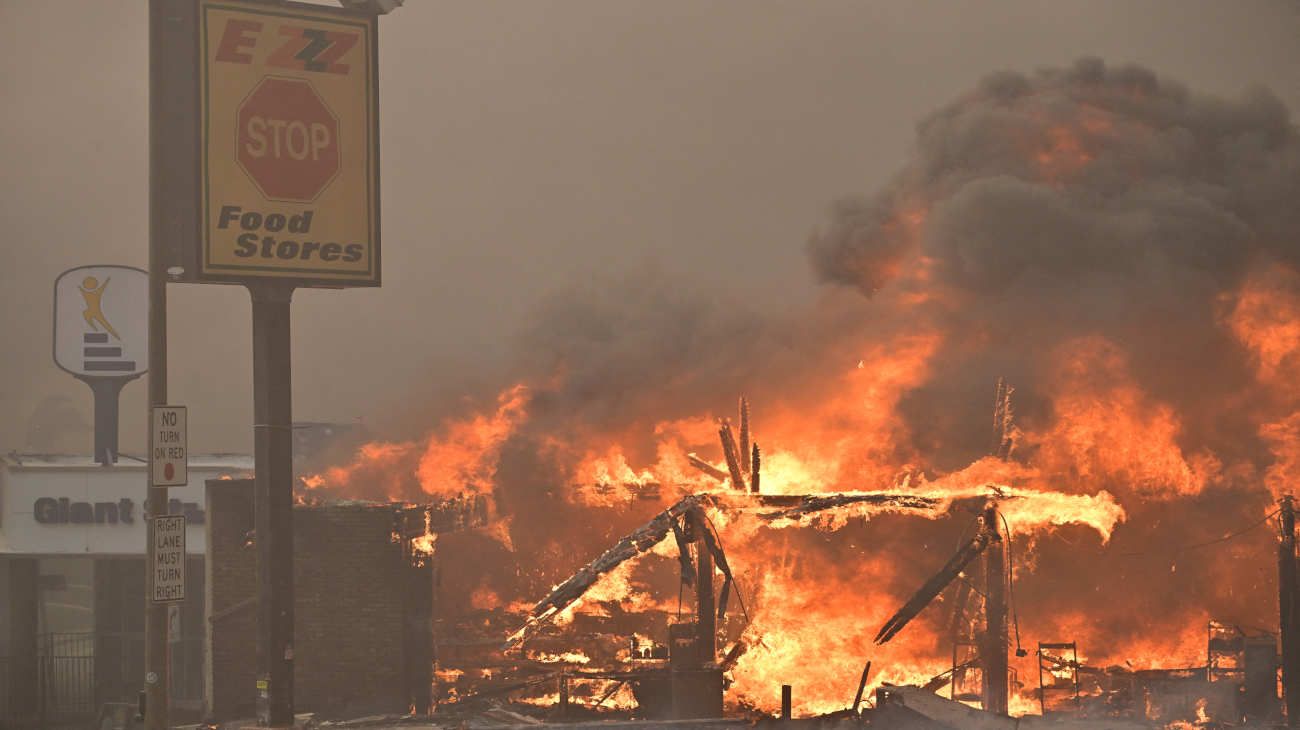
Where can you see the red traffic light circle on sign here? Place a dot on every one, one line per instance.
(288, 140)
(169, 471)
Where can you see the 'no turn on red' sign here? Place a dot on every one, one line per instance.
(168, 442)
(288, 143)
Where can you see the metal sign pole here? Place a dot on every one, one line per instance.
(108, 393)
(157, 673)
(273, 499)
(167, 203)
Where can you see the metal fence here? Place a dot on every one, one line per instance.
(69, 688)
(66, 674)
(64, 682)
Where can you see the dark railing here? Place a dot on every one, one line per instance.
(64, 682)
(66, 674)
(71, 685)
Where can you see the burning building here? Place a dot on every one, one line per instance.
(1120, 248)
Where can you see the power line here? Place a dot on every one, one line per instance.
(1011, 582)
(1207, 543)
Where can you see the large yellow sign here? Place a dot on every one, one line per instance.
(288, 146)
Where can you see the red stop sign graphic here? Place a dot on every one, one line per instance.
(288, 140)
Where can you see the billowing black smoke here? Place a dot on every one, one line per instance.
(1082, 178)
(1083, 201)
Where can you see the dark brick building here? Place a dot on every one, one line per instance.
(363, 604)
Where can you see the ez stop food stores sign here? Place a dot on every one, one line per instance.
(288, 144)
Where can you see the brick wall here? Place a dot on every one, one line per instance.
(360, 609)
(349, 634)
(230, 577)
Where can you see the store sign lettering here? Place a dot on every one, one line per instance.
(63, 511)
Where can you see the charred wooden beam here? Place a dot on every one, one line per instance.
(744, 435)
(565, 594)
(957, 617)
(862, 686)
(950, 676)
(732, 501)
(933, 587)
(729, 451)
(614, 687)
(960, 632)
(710, 542)
(683, 553)
(723, 596)
(733, 655)
(808, 504)
(707, 468)
(705, 620)
(754, 471)
(1003, 421)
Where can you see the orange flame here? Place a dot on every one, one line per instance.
(458, 458)
(1107, 431)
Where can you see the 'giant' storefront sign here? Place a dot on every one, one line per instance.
(65, 511)
(50, 507)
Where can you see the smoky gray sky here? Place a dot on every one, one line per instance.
(529, 147)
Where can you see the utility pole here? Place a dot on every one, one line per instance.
(164, 209)
(1287, 616)
(993, 646)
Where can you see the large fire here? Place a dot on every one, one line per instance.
(1044, 233)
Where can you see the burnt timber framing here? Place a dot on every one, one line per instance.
(770, 508)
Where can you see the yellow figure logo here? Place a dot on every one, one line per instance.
(93, 292)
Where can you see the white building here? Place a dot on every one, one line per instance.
(72, 574)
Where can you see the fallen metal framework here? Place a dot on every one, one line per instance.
(1053, 662)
